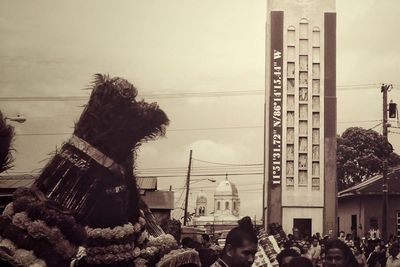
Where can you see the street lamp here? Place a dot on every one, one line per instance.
(18, 118)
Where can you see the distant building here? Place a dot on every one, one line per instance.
(226, 211)
(160, 202)
(360, 206)
(300, 133)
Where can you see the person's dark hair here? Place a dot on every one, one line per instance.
(245, 231)
(300, 262)
(347, 253)
(286, 253)
(187, 242)
(205, 237)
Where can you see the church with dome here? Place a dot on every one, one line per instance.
(226, 209)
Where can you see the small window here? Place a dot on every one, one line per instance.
(218, 205)
(227, 205)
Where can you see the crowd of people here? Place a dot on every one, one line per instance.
(346, 250)
(316, 251)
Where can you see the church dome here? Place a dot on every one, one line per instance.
(201, 198)
(226, 188)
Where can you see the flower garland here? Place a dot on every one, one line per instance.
(19, 256)
(9, 210)
(39, 230)
(111, 258)
(117, 232)
(38, 210)
(112, 249)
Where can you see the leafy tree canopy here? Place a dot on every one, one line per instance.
(360, 155)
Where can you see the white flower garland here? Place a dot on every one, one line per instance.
(117, 232)
(39, 229)
(22, 256)
(143, 237)
(9, 210)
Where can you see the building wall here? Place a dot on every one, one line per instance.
(296, 147)
(315, 214)
(366, 208)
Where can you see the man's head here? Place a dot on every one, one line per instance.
(341, 235)
(315, 242)
(285, 256)
(338, 254)
(241, 244)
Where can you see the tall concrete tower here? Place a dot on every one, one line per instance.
(300, 134)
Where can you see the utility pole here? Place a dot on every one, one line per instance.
(385, 88)
(187, 189)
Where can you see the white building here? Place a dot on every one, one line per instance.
(226, 209)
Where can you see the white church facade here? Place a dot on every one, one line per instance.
(226, 208)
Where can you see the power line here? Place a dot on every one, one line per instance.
(227, 164)
(174, 94)
(184, 129)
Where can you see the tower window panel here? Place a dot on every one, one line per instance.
(315, 184)
(303, 47)
(227, 205)
(315, 120)
(303, 79)
(303, 94)
(315, 103)
(303, 63)
(315, 169)
(303, 30)
(218, 205)
(315, 70)
(289, 181)
(303, 127)
(291, 54)
(315, 152)
(290, 136)
(290, 69)
(303, 110)
(315, 55)
(290, 152)
(303, 161)
(290, 102)
(316, 87)
(303, 178)
(315, 136)
(316, 37)
(290, 86)
(291, 36)
(289, 168)
(303, 144)
(290, 119)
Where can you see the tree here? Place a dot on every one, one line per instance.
(360, 155)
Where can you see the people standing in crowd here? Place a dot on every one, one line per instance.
(360, 257)
(338, 254)
(394, 256)
(240, 246)
(342, 236)
(315, 251)
(305, 250)
(285, 256)
(300, 262)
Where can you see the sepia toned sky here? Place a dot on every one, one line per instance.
(52, 48)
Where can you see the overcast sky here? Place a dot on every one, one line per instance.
(52, 48)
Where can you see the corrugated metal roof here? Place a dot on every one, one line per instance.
(15, 181)
(374, 185)
(147, 183)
